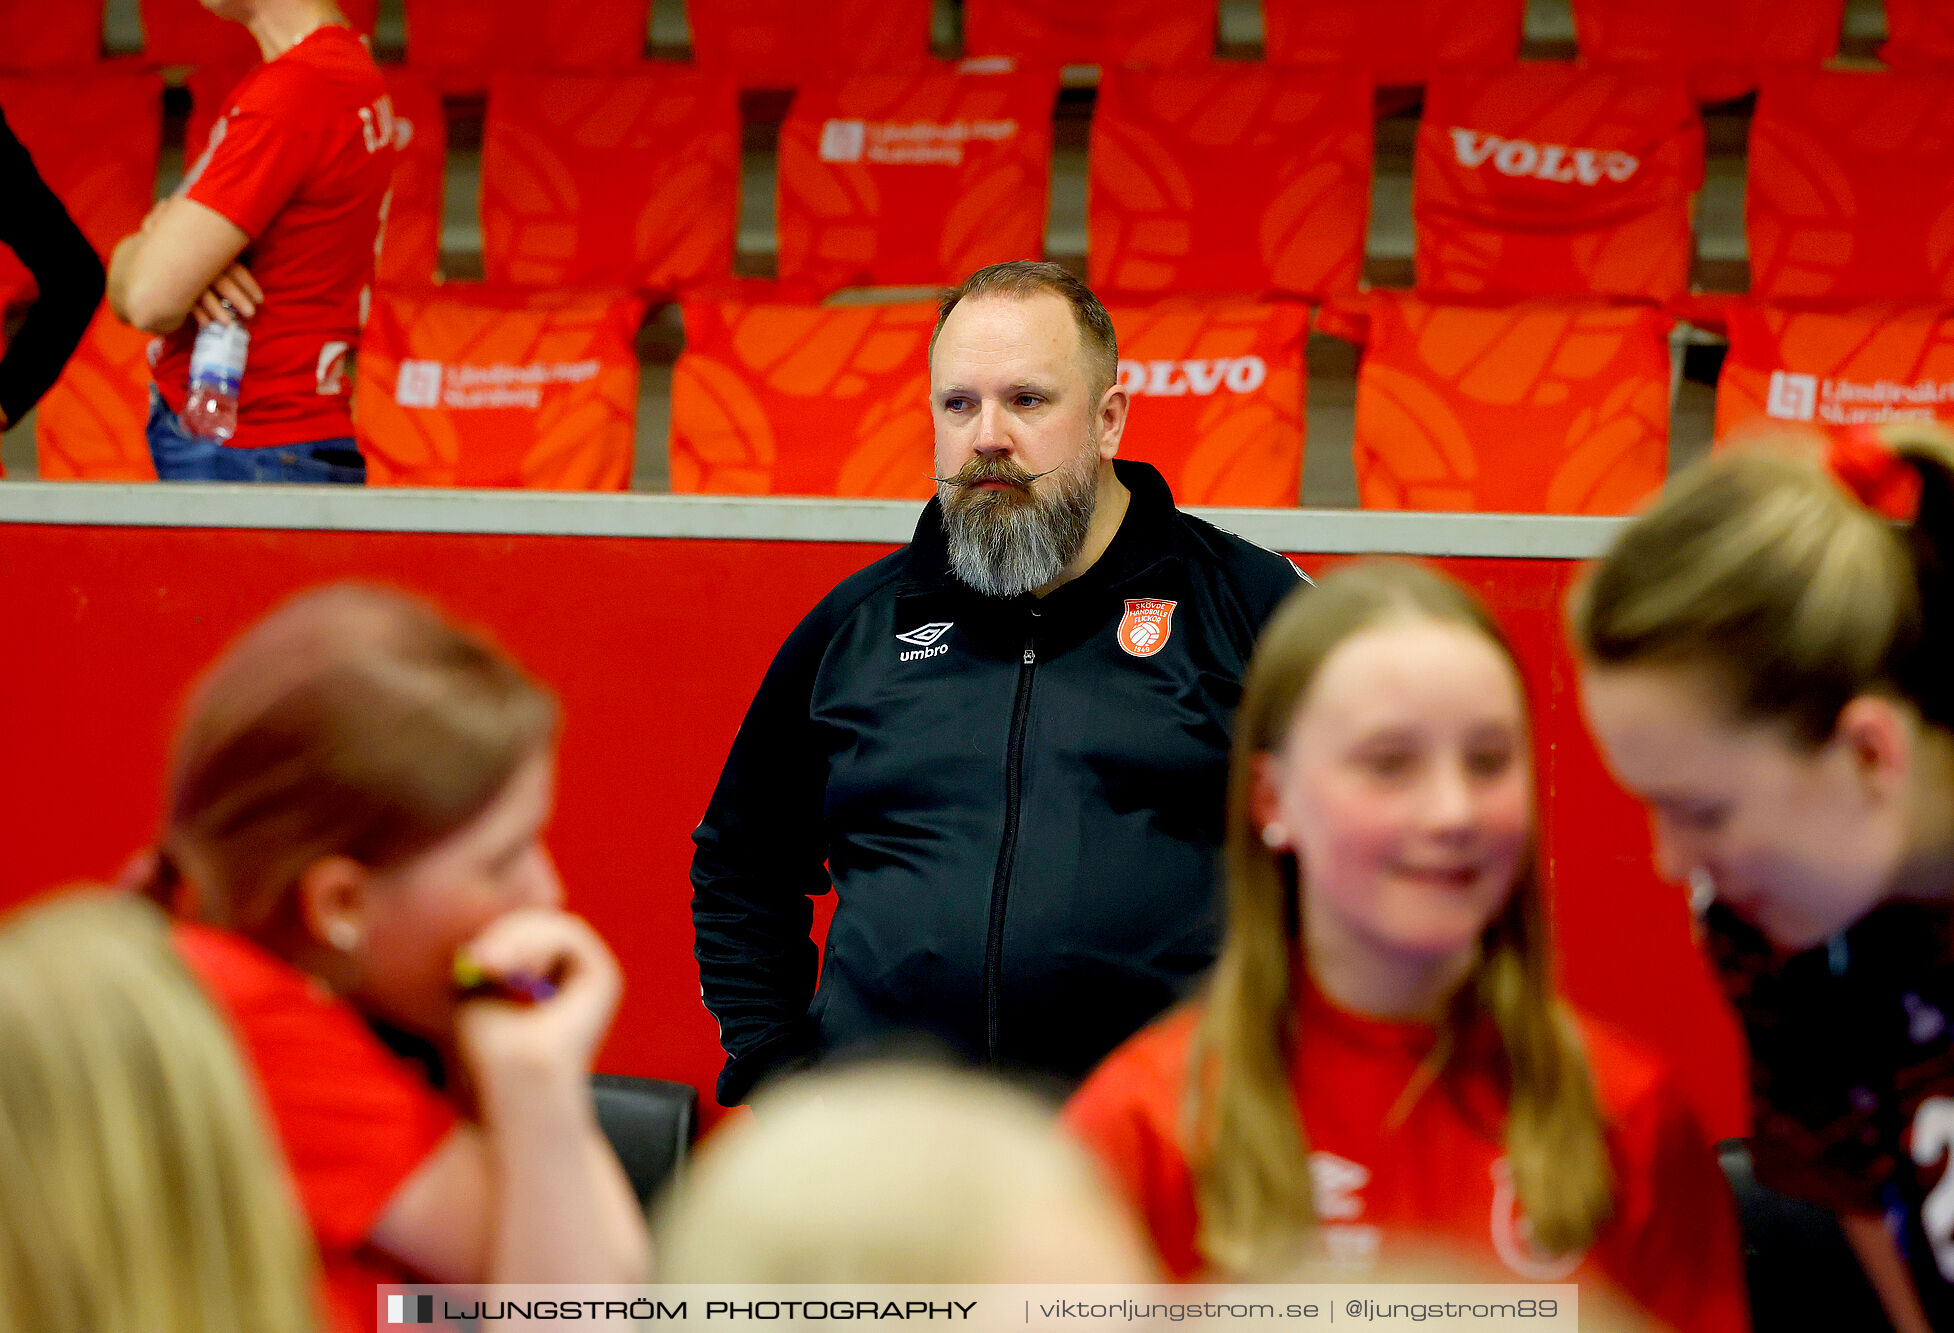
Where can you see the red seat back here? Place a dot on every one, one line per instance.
(1722, 45)
(1216, 392)
(1555, 180)
(1919, 34)
(1149, 34)
(1545, 407)
(627, 180)
(1839, 206)
(89, 427)
(41, 37)
(901, 180)
(784, 43)
(473, 386)
(1399, 41)
(1835, 367)
(460, 44)
(803, 400)
(1252, 182)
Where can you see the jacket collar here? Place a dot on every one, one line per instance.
(1142, 541)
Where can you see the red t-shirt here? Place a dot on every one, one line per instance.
(300, 161)
(354, 1121)
(1386, 1191)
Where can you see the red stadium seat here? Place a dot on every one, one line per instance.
(38, 36)
(784, 43)
(95, 137)
(1919, 34)
(1541, 407)
(1554, 180)
(803, 400)
(627, 180)
(89, 427)
(1834, 368)
(1846, 199)
(1146, 34)
(834, 400)
(901, 180)
(1399, 41)
(1217, 393)
(1723, 45)
(475, 386)
(1254, 182)
(461, 43)
(183, 32)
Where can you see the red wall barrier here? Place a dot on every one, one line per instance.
(655, 646)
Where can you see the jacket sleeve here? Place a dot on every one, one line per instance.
(760, 855)
(66, 270)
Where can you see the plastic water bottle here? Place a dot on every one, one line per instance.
(216, 370)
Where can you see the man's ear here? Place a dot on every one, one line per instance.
(335, 894)
(1113, 405)
(1877, 735)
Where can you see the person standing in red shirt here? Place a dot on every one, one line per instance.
(275, 225)
(1379, 1073)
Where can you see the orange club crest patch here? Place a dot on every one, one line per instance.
(1146, 626)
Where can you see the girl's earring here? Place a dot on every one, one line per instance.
(343, 935)
(1274, 836)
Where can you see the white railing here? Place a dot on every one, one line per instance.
(740, 518)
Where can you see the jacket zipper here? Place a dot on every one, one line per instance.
(1001, 881)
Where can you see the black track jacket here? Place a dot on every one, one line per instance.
(1019, 815)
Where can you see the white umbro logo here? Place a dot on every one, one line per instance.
(924, 636)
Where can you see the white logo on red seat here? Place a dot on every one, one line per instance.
(843, 140)
(1791, 397)
(1174, 379)
(1547, 162)
(419, 384)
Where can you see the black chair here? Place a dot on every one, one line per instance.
(1801, 1273)
(650, 1123)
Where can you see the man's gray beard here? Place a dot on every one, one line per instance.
(1005, 543)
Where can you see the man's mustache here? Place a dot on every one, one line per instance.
(980, 470)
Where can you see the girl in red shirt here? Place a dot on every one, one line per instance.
(1379, 1065)
(357, 800)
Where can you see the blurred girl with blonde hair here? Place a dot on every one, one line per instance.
(139, 1190)
(896, 1172)
(1379, 1067)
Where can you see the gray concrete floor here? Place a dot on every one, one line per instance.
(1328, 476)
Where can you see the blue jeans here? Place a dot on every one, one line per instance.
(181, 456)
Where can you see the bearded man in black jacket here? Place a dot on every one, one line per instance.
(1004, 747)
